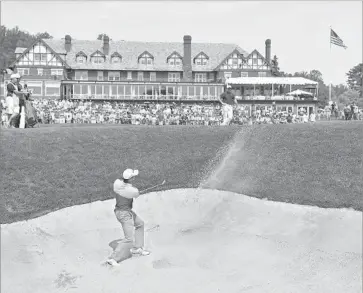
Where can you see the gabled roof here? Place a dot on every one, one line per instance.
(235, 51)
(98, 52)
(199, 54)
(255, 52)
(81, 53)
(130, 52)
(174, 53)
(19, 50)
(46, 45)
(147, 53)
(116, 54)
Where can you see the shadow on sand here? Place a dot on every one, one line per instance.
(121, 250)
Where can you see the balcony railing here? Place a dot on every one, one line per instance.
(142, 97)
(275, 98)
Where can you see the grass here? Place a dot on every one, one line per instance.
(53, 167)
(313, 164)
(49, 168)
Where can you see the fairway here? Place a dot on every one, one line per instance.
(312, 164)
(53, 167)
(50, 168)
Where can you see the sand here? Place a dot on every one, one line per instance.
(201, 241)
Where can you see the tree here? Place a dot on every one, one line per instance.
(44, 35)
(350, 96)
(10, 39)
(275, 69)
(355, 78)
(316, 75)
(101, 36)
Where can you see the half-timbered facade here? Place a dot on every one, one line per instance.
(41, 68)
(106, 69)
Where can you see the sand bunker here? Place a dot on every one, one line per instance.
(201, 241)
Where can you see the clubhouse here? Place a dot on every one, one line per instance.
(141, 71)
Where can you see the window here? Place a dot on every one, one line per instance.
(23, 71)
(254, 61)
(115, 59)
(40, 71)
(175, 60)
(97, 59)
(52, 89)
(234, 61)
(146, 59)
(58, 72)
(40, 57)
(99, 75)
(81, 75)
(244, 74)
(227, 75)
(262, 74)
(152, 76)
(140, 76)
(201, 59)
(36, 87)
(173, 76)
(81, 59)
(113, 75)
(200, 77)
(211, 76)
(129, 75)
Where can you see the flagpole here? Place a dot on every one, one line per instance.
(330, 63)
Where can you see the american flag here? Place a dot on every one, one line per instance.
(336, 40)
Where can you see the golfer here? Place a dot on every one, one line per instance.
(132, 224)
(227, 100)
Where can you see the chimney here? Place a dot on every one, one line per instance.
(68, 43)
(268, 50)
(106, 45)
(187, 59)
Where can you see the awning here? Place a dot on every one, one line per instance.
(299, 93)
(269, 80)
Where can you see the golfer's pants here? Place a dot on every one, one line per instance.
(133, 227)
(227, 114)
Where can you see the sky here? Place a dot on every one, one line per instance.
(299, 30)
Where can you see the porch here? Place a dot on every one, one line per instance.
(126, 91)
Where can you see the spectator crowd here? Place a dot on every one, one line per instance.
(67, 111)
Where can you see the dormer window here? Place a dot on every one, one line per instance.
(98, 57)
(201, 59)
(81, 57)
(116, 58)
(175, 59)
(146, 59)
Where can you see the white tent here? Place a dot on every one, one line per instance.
(299, 93)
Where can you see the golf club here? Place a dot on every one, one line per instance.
(162, 183)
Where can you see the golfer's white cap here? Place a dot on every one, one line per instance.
(17, 75)
(129, 173)
(13, 76)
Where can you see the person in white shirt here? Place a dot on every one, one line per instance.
(305, 118)
(312, 117)
(132, 224)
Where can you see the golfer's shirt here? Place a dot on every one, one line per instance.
(125, 194)
(228, 99)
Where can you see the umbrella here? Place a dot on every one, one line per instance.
(299, 93)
